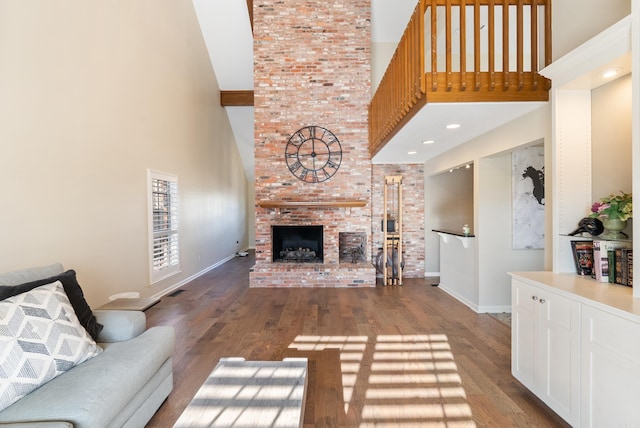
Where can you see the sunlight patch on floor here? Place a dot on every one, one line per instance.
(404, 381)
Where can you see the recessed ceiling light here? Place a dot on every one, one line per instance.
(453, 126)
(428, 142)
(609, 73)
(468, 166)
(411, 153)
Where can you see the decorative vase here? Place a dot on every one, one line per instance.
(613, 228)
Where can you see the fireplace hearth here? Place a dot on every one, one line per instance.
(297, 244)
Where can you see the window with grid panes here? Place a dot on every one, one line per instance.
(164, 234)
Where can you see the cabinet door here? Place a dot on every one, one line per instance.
(524, 333)
(610, 375)
(559, 363)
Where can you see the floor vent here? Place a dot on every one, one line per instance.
(175, 293)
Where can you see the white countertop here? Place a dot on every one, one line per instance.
(614, 298)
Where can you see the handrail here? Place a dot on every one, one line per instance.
(470, 66)
(401, 87)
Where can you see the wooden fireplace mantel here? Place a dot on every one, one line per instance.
(313, 204)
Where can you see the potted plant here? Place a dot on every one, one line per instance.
(614, 211)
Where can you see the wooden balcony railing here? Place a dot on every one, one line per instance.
(498, 48)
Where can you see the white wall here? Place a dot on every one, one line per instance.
(93, 94)
(496, 255)
(448, 205)
(381, 54)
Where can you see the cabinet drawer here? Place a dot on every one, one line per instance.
(612, 332)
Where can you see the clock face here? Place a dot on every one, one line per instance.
(313, 154)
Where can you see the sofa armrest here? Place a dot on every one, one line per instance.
(120, 325)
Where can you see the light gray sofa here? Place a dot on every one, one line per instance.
(122, 387)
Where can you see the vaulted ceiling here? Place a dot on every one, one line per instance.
(226, 28)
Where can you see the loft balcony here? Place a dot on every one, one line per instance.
(457, 51)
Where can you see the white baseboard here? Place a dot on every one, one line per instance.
(494, 309)
(178, 285)
(476, 308)
(426, 274)
(458, 297)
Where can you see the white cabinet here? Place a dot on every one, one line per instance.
(610, 381)
(576, 345)
(545, 347)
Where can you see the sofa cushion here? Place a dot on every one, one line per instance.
(22, 276)
(92, 394)
(40, 338)
(73, 291)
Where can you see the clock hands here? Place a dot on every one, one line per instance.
(311, 162)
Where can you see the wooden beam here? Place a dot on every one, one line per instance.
(236, 98)
(250, 7)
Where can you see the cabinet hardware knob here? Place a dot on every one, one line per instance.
(534, 297)
(542, 301)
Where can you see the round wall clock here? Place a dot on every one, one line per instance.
(313, 154)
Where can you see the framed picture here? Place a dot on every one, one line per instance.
(583, 257)
(528, 198)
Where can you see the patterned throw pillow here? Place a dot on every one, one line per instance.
(40, 338)
(73, 292)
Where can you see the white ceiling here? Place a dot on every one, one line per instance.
(429, 124)
(227, 33)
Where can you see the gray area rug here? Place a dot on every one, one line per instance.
(503, 317)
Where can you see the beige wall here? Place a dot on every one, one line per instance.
(92, 94)
(576, 21)
(449, 206)
(611, 138)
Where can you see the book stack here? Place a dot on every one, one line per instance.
(613, 261)
(620, 263)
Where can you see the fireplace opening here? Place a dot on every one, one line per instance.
(297, 244)
(351, 246)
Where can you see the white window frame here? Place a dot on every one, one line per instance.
(164, 232)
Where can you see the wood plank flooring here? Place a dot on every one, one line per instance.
(409, 356)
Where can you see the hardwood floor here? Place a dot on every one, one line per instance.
(409, 356)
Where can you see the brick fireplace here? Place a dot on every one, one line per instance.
(312, 67)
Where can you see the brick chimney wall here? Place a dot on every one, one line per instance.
(312, 67)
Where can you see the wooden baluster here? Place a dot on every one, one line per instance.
(415, 65)
(448, 42)
(420, 69)
(434, 46)
(412, 61)
(505, 45)
(520, 43)
(421, 35)
(492, 45)
(547, 33)
(401, 80)
(406, 87)
(534, 44)
(405, 76)
(409, 66)
(476, 44)
(463, 46)
(397, 94)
